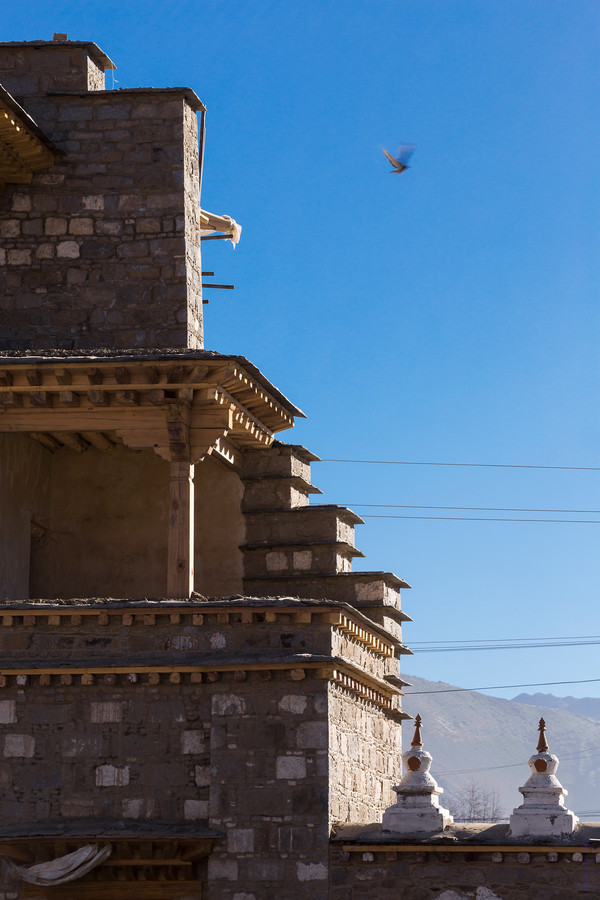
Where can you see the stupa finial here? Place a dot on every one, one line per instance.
(542, 746)
(417, 741)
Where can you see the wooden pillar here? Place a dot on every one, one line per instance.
(180, 561)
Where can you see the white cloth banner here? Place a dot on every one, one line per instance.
(209, 223)
(65, 868)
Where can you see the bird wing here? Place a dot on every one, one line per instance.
(405, 151)
(396, 164)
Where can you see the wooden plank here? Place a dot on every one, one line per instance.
(116, 890)
(180, 556)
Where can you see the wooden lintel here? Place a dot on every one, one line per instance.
(180, 559)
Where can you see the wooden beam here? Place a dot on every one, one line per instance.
(180, 558)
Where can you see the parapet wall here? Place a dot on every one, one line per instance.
(460, 872)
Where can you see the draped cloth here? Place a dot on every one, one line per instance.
(209, 223)
(65, 868)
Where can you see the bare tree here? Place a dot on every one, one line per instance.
(477, 803)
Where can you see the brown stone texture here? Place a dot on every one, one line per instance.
(218, 714)
(425, 875)
(103, 248)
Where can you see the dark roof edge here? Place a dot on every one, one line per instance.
(190, 95)
(93, 49)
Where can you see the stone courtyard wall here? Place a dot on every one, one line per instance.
(528, 873)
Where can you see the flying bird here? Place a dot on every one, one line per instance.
(405, 151)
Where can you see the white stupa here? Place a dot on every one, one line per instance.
(543, 812)
(417, 809)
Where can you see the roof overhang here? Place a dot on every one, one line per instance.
(24, 148)
(183, 409)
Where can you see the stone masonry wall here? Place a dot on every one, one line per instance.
(532, 874)
(103, 248)
(364, 753)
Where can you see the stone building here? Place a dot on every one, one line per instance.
(189, 671)
(198, 697)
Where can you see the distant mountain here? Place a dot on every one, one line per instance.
(583, 706)
(476, 738)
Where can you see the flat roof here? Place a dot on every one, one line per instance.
(98, 55)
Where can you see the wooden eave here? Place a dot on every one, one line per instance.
(23, 147)
(183, 409)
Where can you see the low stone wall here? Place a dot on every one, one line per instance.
(441, 873)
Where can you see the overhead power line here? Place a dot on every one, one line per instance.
(498, 687)
(485, 519)
(582, 642)
(402, 462)
(590, 512)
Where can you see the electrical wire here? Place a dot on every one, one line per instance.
(497, 687)
(517, 646)
(518, 765)
(590, 512)
(397, 462)
(485, 519)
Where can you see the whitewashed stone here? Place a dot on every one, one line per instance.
(276, 561)
(112, 776)
(417, 809)
(106, 712)
(543, 812)
(311, 871)
(293, 703)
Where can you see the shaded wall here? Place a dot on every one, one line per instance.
(220, 529)
(107, 526)
(24, 495)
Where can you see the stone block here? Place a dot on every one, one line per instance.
(68, 250)
(106, 712)
(222, 869)
(240, 840)
(291, 767)
(19, 745)
(8, 712)
(293, 703)
(312, 735)
(308, 871)
(112, 776)
(193, 742)
(202, 776)
(228, 705)
(266, 869)
(195, 809)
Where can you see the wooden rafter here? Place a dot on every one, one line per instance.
(140, 404)
(23, 149)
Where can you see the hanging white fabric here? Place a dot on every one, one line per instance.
(64, 868)
(209, 222)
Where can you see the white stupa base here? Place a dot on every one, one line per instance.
(416, 815)
(534, 821)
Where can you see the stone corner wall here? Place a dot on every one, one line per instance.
(102, 249)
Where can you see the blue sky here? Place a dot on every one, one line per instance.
(450, 314)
